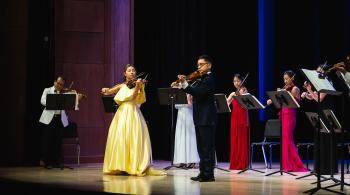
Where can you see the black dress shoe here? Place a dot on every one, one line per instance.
(206, 179)
(196, 178)
(48, 167)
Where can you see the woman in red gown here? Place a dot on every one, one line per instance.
(240, 128)
(291, 161)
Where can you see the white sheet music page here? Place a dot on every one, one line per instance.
(318, 83)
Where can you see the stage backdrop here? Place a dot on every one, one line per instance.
(93, 42)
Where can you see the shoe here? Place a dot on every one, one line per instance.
(196, 178)
(206, 179)
(191, 165)
(182, 165)
(48, 167)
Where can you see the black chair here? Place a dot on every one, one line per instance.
(70, 137)
(271, 133)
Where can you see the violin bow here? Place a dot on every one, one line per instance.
(246, 76)
(71, 84)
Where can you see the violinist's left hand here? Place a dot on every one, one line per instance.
(139, 82)
(183, 83)
(243, 90)
(181, 77)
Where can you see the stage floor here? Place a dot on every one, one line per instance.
(88, 178)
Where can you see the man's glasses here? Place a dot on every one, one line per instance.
(201, 64)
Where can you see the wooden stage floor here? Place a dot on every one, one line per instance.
(88, 179)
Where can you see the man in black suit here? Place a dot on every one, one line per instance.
(204, 116)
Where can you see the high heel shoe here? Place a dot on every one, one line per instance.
(191, 165)
(182, 165)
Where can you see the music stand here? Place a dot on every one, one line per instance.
(282, 99)
(321, 85)
(61, 102)
(109, 104)
(345, 77)
(172, 96)
(220, 102)
(249, 102)
(336, 128)
(313, 118)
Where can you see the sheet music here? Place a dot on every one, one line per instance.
(313, 118)
(294, 100)
(255, 99)
(333, 121)
(317, 82)
(324, 127)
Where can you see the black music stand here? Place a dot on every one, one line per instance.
(220, 101)
(345, 78)
(109, 104)
(336, 127)
(282, 99)
(318, 124)
(321, 85)
(61, 102)
(172, 96)
(249, 102)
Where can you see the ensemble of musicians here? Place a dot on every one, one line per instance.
(128, 147)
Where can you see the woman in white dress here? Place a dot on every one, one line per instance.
(185, 152)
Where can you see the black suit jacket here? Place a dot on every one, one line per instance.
(204, 110)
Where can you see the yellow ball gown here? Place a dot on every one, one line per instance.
(128, 147)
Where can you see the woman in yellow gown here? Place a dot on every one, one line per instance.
(128, 148)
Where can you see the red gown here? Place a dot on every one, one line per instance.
(291, 161)
(240, 130)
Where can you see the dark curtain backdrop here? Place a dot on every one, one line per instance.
(170, 35)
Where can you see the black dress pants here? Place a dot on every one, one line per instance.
(52, 141)
(205, 136)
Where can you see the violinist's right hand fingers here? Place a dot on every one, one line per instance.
(303, 95)
(104, 90)
(173, 84)
(138, 82)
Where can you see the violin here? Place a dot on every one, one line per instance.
(289, 85)
(337, 67)
(132, 83)
(241, 85)
(193, 76)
